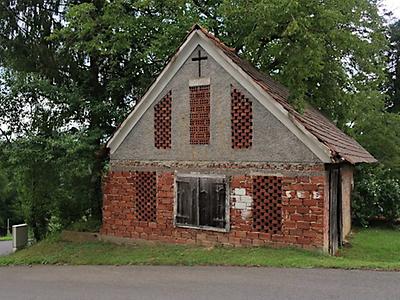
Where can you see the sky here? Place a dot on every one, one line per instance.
(394, 6)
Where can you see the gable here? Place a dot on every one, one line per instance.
(270, 139)
(198, 37)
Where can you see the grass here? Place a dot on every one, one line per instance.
(371, 249)
(6, 238)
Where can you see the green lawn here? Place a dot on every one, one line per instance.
(6, 238)
(370, 249)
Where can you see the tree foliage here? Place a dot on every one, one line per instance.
(393, 103)
(376, 196)
(10, 208)
(53, 178)
(327, 54)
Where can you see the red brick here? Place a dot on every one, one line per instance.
(316, 210)
(310, 218)
(303, 209)
(212, 238)
(241, 234)
(277, 237)
(310, 202)
(296, 202)
(258, 243)
(296, 232)
(296, 217)
(303, 240)
(310, 187)
(234, 240)
(309, 233)
(289, 224)
(245, 242)
(264, 236)
(252, 235)
(303, 225)
(290, 239)
(289, 209)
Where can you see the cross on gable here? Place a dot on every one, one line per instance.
(199, 58)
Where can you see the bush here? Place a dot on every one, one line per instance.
(86, 225)
(376, 196)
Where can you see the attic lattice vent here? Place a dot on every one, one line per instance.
(162, 122)
(242, 120)
(200, 115)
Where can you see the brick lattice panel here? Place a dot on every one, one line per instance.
(200, 115)
(162, 122)
(267, 204)
(145, 196)
(242, 120)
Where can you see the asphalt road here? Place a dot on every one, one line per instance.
(141, 282)
(5, 248)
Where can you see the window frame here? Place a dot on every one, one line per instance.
(227, 201)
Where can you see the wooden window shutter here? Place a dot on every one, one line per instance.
(201, 201)
(187, 200)
(212, 198)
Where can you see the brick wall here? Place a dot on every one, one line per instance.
(302, 213)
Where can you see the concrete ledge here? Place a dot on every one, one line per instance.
(76, 236)
(199, 82)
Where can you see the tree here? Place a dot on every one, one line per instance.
(73, 69)
(81, 77)
(329, 55)
(393, 103)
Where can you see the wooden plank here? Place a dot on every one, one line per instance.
(187, 202)
(219, 203)
(334, 233)
(201, 201)
(205, 202)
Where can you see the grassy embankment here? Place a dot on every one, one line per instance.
(370, 249)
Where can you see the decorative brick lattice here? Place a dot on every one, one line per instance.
(162, 122)
(145, 196)
(200, 115)
(267, 204)
(242, 120)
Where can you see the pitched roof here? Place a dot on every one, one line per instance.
(340, 145)
(319, 134)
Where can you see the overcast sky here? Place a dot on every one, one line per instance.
(394, 6)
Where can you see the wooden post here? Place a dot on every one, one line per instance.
(8, 227)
